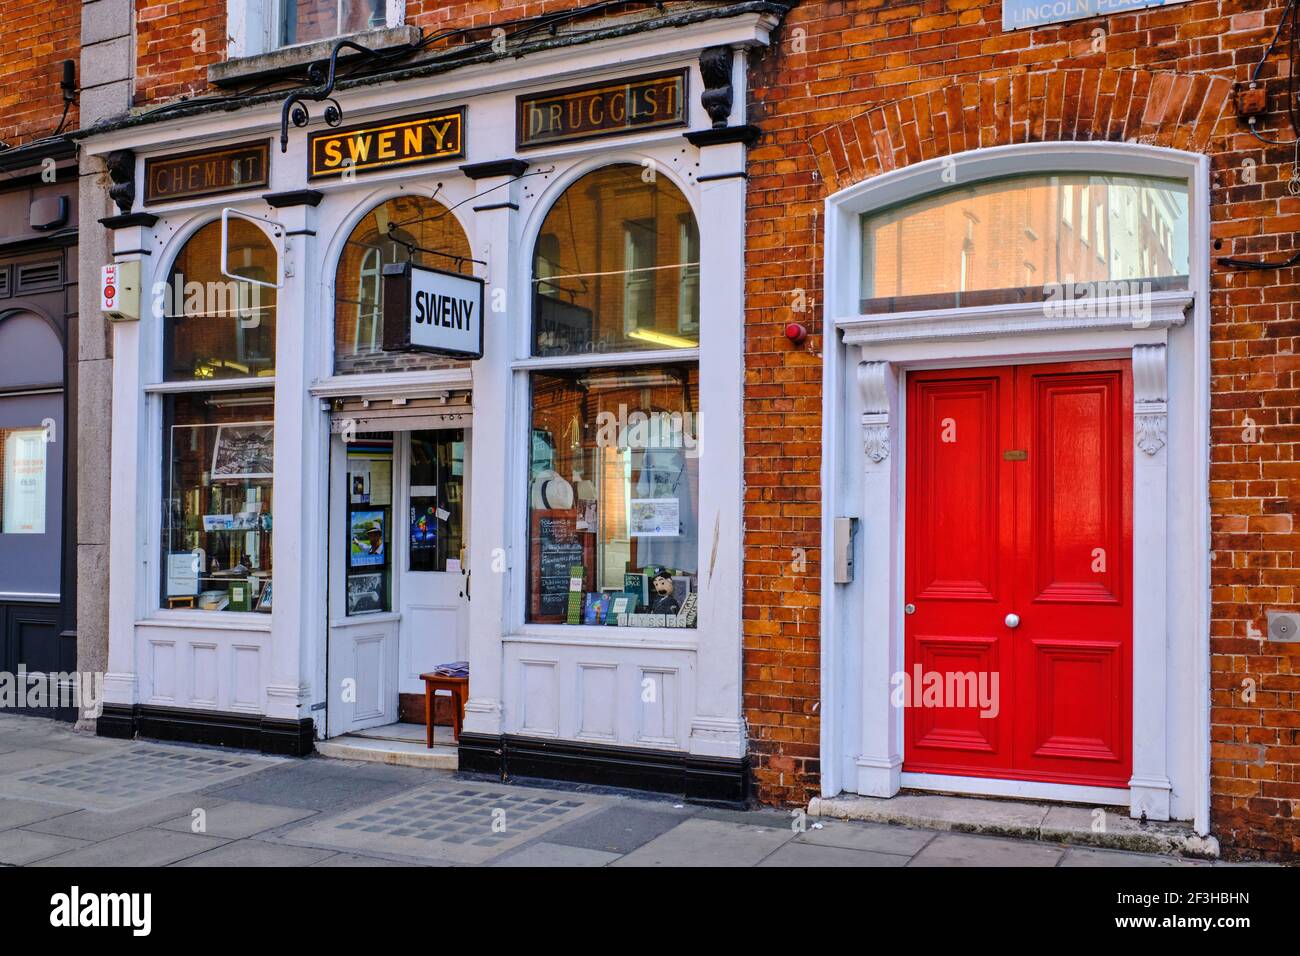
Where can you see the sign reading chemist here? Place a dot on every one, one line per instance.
(429, 310)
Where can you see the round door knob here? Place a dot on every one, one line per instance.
(1013, 620)
(909, 609)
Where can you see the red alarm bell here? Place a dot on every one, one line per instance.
(795, 332)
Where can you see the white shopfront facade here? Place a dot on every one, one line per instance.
(661, 705)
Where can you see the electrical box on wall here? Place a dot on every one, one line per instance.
(845, 530)
(119, 291)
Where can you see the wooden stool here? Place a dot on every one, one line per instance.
(459, 689)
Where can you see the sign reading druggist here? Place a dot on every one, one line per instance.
(408, 141)
(601, 109)
(1019, 14)
(429, 310)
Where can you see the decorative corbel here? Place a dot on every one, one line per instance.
(715, 69)
(1150, 398)
(121, 171)
(873, 379)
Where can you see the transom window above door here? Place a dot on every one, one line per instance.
(1019, 238)
(404, 229)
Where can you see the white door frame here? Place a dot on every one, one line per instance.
(862, 476)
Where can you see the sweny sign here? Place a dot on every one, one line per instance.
(408, 141)
(429, 310)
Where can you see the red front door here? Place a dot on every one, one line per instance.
(1019, 624)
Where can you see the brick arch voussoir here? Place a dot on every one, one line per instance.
(1177, 110)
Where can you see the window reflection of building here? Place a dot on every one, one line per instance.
(1006, 240)
(614, 471)
(406, 228)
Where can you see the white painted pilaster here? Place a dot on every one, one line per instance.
(717, 728)
(1150, 787)
(879, 761)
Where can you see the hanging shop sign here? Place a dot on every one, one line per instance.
(1020, 14)
(408, 141)
(207, 172)
(429, 310)
(601, 109)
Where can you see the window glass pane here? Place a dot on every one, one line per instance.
(370, 523)
(1026, 239)
(216, 327)
(616, 267)
(613, 495)
(303, 21)
(217, 515)
(22, 496)
(437, 498)
(382, 238)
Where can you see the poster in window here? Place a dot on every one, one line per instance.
(24, 482)
(366, 533)
(654, 517)
(365, 592)
(243, 451)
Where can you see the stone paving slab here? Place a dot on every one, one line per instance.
(619, 829)
(556, 854)
(147, 847)
(256, 853)
(32, 758)
(96, 825)
(698, 842)
(448, 824)
(20, 813)
(21, 847)
(1086, 856)
(810, 855)
(352, 859)
(236, 819)
(867, 836)
(130, 776)
(323, 785)
(960, 849)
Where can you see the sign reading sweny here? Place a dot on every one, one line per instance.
(400, 142)
(1019, 14)
(429, 310)
(601, 109)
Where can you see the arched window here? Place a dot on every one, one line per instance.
(613, 480)
(216, 326)
(1026, 239)
(407, 228)
(616, 267)
(218, 444)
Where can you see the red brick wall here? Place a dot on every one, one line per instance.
(879, 85)
(35, 39)
(168, 64)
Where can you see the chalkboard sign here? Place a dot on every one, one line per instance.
(557, 547)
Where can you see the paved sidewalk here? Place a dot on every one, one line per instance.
(68, 799)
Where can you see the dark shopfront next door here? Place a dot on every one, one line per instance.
(32, 461)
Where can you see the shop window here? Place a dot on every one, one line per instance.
(924, 255)
(437, 508)
(304, 21)
(24, 468)
(369, 525)
(218, 451)
(616, 267)
(214, 326)
(405, 229)
(613, 491)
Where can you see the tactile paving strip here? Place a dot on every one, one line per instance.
(460, 824)
(126, 777)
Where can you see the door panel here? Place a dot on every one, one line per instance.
(959, 535)
(1025, 472)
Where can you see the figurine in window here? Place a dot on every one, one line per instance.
(662, 599)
